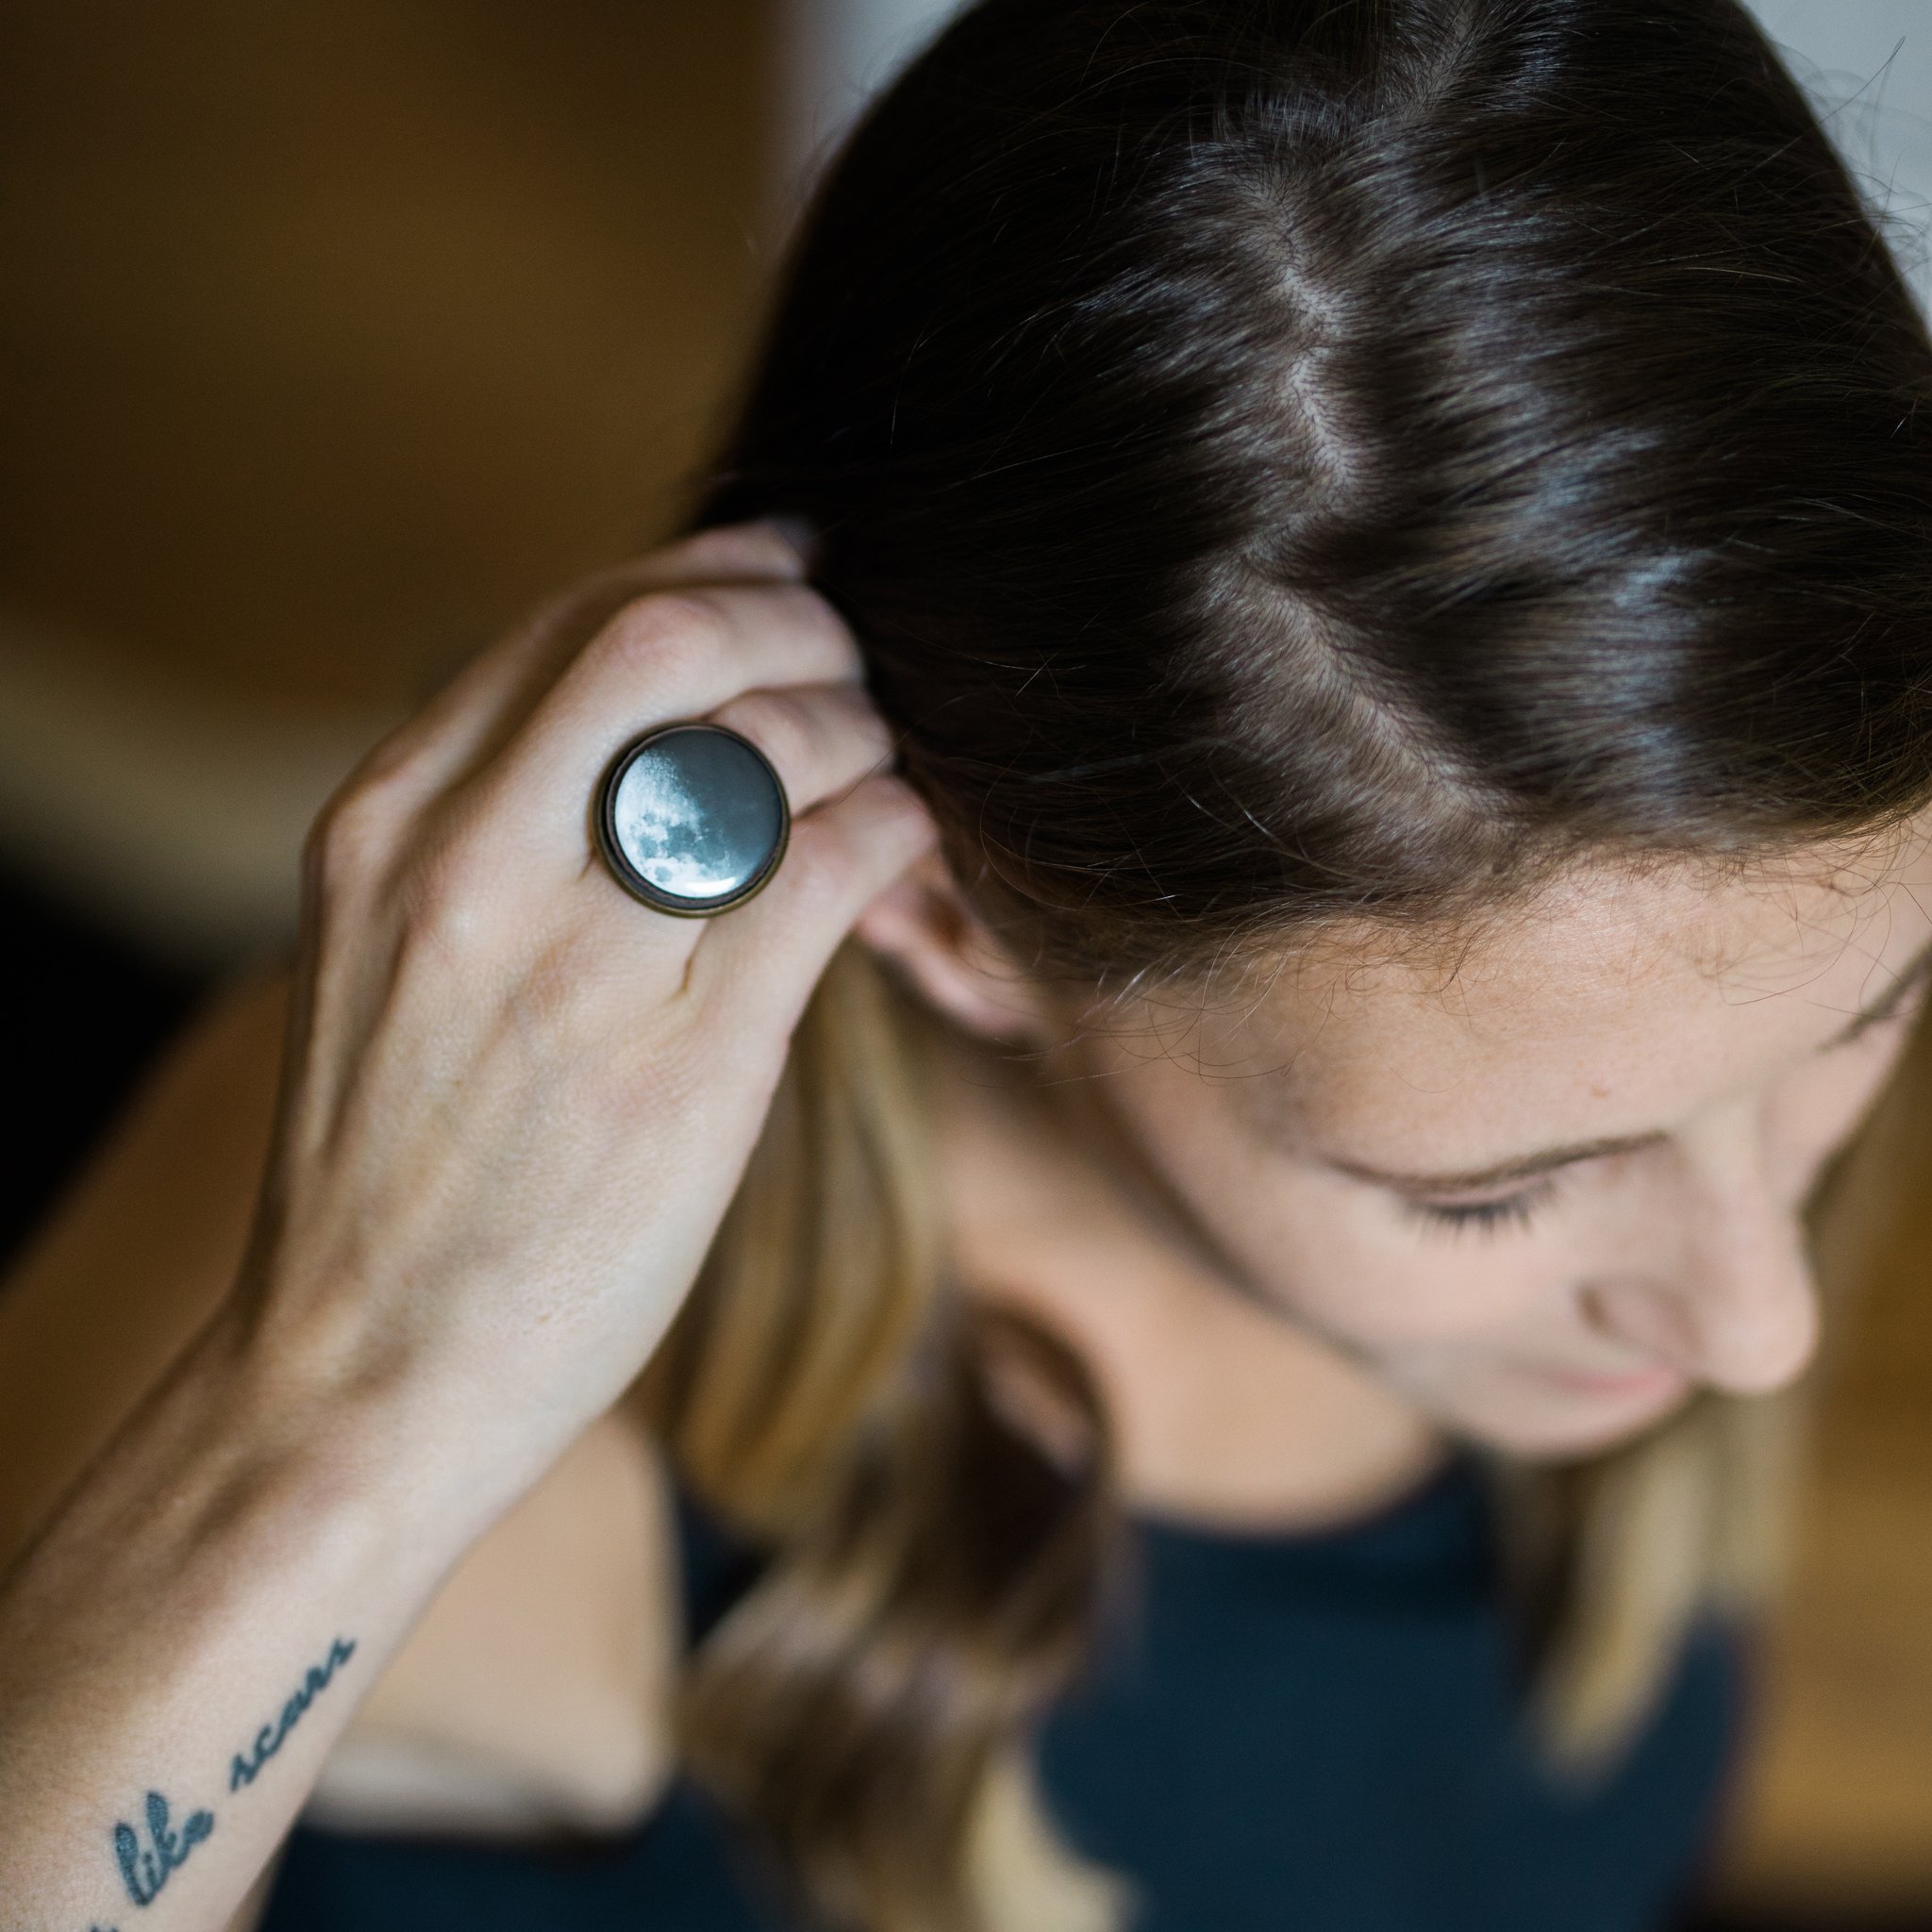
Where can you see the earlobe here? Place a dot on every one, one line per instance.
(922, 927)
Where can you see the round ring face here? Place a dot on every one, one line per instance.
(693, 819)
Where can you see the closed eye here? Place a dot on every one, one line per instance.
(1504, 1213)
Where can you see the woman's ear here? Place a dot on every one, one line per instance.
(923, 924)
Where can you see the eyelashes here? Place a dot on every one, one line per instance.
(1509, 1213)
(1513, 1213)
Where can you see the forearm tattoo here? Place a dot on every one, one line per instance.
(245, 1766)
(145, 1869)
(146, 1863)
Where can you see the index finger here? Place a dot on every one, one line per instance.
(482, 707)
(674, 656)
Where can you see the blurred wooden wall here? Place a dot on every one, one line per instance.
(1834, 1821)
(331, 331)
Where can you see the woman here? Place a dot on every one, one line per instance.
(1213, 1362)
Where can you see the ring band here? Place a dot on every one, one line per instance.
(693, 819)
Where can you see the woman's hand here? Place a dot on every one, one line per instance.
(514, 1105)
(518, 1101)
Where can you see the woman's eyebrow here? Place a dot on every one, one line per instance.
(1528, 1166)
(1911, 978)
(1522, 1168)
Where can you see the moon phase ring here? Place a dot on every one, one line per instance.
(693, 819)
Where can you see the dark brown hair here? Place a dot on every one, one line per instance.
(1288, 462)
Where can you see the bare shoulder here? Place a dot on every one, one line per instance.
(139, 1252)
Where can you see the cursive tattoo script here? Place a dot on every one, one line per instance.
(145, 1869)
(245, 1767)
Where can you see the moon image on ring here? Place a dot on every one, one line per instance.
(697, 815)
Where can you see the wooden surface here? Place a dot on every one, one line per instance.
(335, 331)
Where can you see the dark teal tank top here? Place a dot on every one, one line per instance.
(1315, 1732)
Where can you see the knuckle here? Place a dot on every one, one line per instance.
(781, 725)
(666, 636)
(821, 864)
(449, 886)
(873, 727)
(813, 619)
(561, 978)
(881, 827)
(353, 836)
(437, 891)
(734, 547)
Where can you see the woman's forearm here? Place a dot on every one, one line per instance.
(181, 1646)
(515, 1105)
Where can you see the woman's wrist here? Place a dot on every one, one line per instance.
(380, 1429)
(191, 1631)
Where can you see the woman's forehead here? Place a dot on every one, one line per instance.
(1649, 989)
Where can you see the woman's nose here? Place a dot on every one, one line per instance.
(1734, 1305)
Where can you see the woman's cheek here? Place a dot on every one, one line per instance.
(1380, 1295)
(1348, 1261)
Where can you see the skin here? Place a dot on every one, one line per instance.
(513, 1108)
(1260, 1217)
(513, 1104)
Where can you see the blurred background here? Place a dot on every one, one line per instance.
(334, 333)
